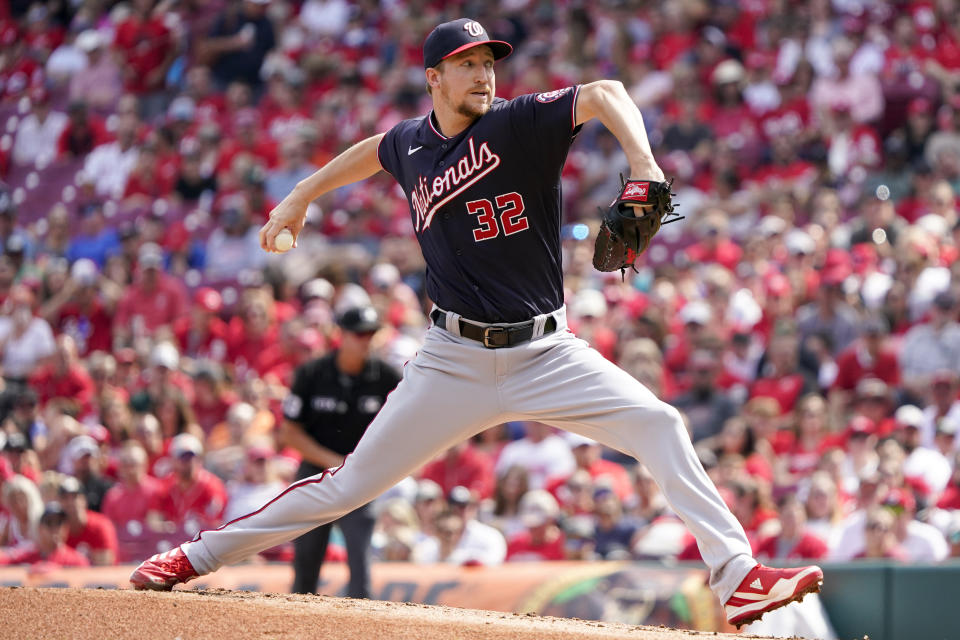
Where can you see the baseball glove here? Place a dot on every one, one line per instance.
(623, 236)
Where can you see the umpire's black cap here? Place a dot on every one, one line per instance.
(359, 320)
(455, 36)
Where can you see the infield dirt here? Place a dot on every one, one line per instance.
(93, 614)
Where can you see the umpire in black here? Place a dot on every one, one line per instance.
(333, 400)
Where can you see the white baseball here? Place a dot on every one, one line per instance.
(284, 240)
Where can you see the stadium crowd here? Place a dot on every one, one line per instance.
(804, 316)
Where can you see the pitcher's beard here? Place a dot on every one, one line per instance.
(473, 113)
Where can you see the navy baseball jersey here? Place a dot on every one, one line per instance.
(486, 204)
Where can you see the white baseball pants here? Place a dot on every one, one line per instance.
(455, 388)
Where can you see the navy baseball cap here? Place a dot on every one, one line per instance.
(359, 320)
(455, 36)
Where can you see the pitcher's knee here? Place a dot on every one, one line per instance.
(665, 416)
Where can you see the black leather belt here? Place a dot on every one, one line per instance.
(494, 336)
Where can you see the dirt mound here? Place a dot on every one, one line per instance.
(88, 614)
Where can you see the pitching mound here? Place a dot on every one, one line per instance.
(85, 614)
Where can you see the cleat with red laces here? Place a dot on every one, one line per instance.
(765, 589)
(162, 571)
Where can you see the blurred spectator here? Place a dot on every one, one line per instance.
(945, 439)
(932, 346)
(953, 536)
(235, 246)
(951, 495)
(852, 149)
(129, 503)
(294, 167)
(861, 459)
(109, 164)
(99, 84)
(918, 127)
(148, 179)
(540, 452)
(872, 400)
(38, 134)
(715, 244)
(647, 504)
(877, 214)
(737, 439)
(26, 341)
(238, 42)
(25, 419)
(397, 531)
(919, 541)
(812, 436)
(861, 92)
(83, 309)
(780, 377)
(504, 514)
(795, 541)
(871, 491)
(824, 509)
(89, 532)
(542, 539)
(56, 241)
(255, 485)
(18, 452)
(460, 538)
(869, 357)
(462, 465)
(880, 541)
(751, 504)
(66, 60)
(688, 132)
(191, 495)
(22, 508)
(325, 17)
(96, 241)
(696, 316)
(244, 423)
(613, 533)
(171, 405)
(212, 400)
(830, 315)
(944, 404)
(587, 454)
(65, 378)
(82, 132)
(148, 50)
(706, 406)
(202, 334)
(924, 463)
(576, 494)
(295, 346)
(587, 311)
(49, 547)
(428, 504)
(154, 299)
(194, 180)
(84, 455)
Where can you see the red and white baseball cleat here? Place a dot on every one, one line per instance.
(765, 589)
(162, 571)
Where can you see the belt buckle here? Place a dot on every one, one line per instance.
(491, 333)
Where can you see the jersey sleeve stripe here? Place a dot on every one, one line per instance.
(573, 109)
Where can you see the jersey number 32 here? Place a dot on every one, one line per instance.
(509, 210)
